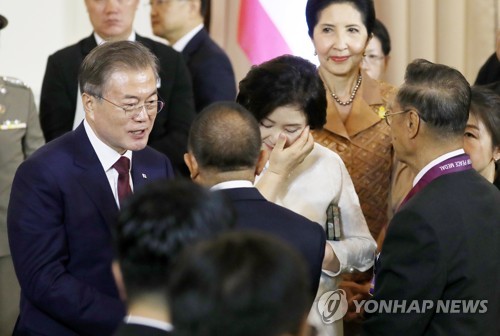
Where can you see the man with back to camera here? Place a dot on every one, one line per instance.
(20, 136)
(442, 243)
(112, 20)
(155, 225)
(224, 153)
(65, 197)
(180, 22)
(252, 284)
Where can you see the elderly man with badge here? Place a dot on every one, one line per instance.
(442, 244)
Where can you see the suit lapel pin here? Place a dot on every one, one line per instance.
(144, 176)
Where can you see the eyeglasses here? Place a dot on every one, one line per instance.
(390, 114)
(121, 2)
(132, 111)
(372, 58)
(160, 2)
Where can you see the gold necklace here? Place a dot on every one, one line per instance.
(353, 94)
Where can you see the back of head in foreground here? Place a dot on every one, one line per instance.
(224, 144)
(155, 225)
(241, 284)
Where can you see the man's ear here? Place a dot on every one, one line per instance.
(413, 122)
(261, 161)
(88, 105)
(117, 274)
(192, 165)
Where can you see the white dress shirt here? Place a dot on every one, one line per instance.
(108, 157)
(232, 185)
(320, 179)
(435, 162)
(132, 319)
(183, 41)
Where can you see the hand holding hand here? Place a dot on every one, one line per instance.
(358, 292)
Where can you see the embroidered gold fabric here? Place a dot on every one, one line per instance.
(364, 144)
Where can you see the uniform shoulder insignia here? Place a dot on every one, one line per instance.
(15, 81)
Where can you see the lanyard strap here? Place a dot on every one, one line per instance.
(454, 164)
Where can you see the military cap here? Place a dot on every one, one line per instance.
(3, 22)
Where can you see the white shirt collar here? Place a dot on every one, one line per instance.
(183, 41)
(107, 155)
(99, 40)
(435, 162)
(131, 319)
(232, 184)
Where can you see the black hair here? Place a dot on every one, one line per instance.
(157, 222)
(284, 81)
(441, 95)
(380, 32)
(241, 284)
(485, 106)
(364, 7)
(225, 136)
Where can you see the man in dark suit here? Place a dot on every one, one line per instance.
(66, 195)
(440, 255)
(224, 152)
(61, 111)
(155, 225)
(181, 24)
(252, 284)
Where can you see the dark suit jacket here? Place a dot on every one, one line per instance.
(443, 244)
(60, 212)
(255, 212)
(169, 135)
(211, 71)
(139, 330)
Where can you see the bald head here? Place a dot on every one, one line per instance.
(225, 137)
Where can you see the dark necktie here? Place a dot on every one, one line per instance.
(122, 166)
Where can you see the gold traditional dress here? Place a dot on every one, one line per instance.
(364, 144)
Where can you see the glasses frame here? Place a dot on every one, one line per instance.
(129, 113)
(371, 58)
(390, 114)
(159, 2)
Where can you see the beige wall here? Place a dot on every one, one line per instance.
(459, 33)
(38, 28)
(455, 32)
(224, 30)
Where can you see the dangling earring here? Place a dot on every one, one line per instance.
(315, 53)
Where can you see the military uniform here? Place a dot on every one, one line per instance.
(20, 135)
